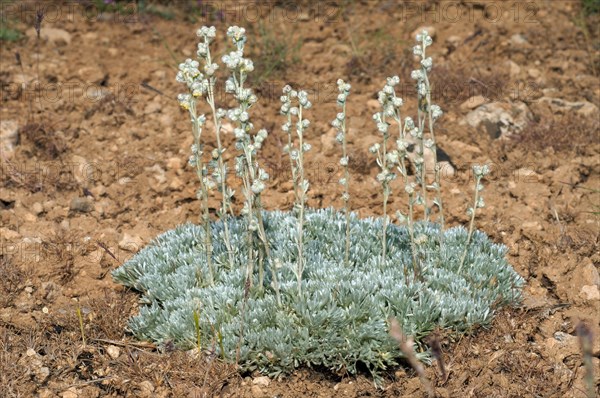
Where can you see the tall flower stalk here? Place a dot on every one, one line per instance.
(190, 75)
(409, 186)
(296, 154)
(387, 159)
(207, 89)
(339, 123)
(247, 167)
(478, 203)
(428, 113)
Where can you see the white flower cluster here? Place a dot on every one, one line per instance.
(289, 109)
(420, 75)
(339, 123)
(479, 172)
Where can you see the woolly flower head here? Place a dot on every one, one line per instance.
(303, 99)
(393, 81)
(424, 38)
(184, 101)
(436, 112)
(237, 35)
(416, 75)
(427, 63)
(209, 33)
(397, 102)
(343, 86)
(232, 60)
(188, 72)
(344, 91)
(481, 171)
(202, 50)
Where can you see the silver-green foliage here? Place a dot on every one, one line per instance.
(340, 319)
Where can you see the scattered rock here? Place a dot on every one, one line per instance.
(454, 41)
(159, 74)
(153, 107)
(473, 103)
(257, 392)
(500, 119)
(113, 351)
(518, 40)
(9, 136)
(91, 74)
(42, 374)
(46, 393)
(165, 120)
(590, 293)
(90, 36)
(524, 175)
(557, 105)
(70, 393)
(262, 381)
(33, 361)
(174, 163)
(430, 29)
(176, 184)
(562, 345)
(534, 73)
(50, 290)
(84, 205)
(83, 171)
(460, 147)
(113, 52)
(37, 208)
(373, 105)
(447, 171)
(513, 69)
(9, 234)
(98, 191)
(131, 243)
(59, 37)
(227, 128)
(147, 388)
(27, 216)
(159, 177)
(531, 226)
(328, 142)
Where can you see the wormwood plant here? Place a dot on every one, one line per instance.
(275, 290)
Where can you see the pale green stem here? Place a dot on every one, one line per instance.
(302, 196)
(205, 216)
(221, 165)
(423, 165)
(471, 223)
(436, 169)
(346, 178)
(386, 188)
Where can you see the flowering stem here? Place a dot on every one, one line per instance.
(346, 196)
(302, 197)
(205, 216)
(222, 170)
(436, 166)
(386, 194)
(423, 170)
(402, 168)
(411, 232)
(472, 222)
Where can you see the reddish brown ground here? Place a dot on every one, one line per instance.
(126, 154)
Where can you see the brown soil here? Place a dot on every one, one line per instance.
(97, 174)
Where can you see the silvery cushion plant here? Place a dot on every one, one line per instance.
(274, 290)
